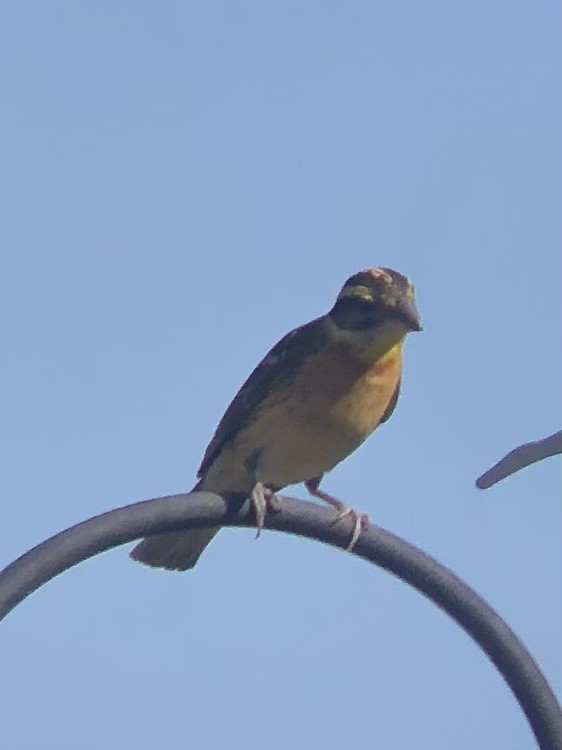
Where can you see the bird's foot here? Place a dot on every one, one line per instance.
(262, 499)
(361, 520)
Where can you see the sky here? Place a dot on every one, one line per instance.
(180, 185)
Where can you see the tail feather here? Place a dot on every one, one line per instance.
(174, 550)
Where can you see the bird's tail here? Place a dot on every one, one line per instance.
(174, 550)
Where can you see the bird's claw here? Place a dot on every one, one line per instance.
(361, 521)
(343, 510)
(262, 499)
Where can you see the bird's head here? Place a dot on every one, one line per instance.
(376, 299)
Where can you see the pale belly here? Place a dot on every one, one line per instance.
(304, 452)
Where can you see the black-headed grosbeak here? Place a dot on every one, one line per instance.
(313, 399)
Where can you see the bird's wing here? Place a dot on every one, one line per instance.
(278, 365)
(392, 403)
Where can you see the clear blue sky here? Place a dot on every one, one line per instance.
(182, 183)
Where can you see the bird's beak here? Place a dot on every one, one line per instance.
(408, 313)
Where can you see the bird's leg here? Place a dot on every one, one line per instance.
(361, 519)
(261, 499)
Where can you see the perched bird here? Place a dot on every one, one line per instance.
(313, 399)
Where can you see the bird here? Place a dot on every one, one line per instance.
(312, 400)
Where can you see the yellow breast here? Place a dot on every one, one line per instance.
(348, 395)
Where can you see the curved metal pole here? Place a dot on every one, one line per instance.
(521, 457)
(198, 509)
